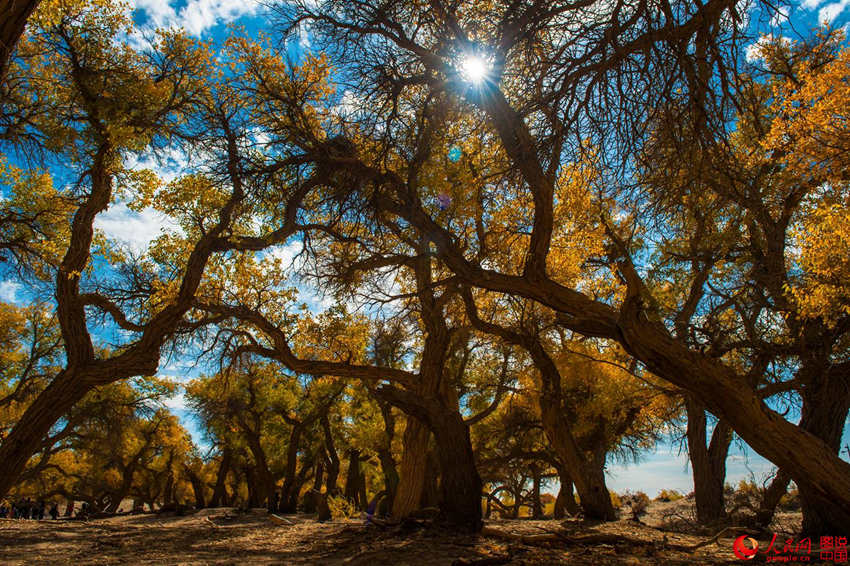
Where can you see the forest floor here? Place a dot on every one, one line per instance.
(221, 536)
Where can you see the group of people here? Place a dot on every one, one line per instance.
(28, 509)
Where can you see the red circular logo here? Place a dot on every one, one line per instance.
(742, 551)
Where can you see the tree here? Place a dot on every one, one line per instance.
(526, 123)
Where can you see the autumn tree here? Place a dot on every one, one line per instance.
(525, 113)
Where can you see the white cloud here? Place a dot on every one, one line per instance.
(831, 11)
(9, 291)
(177, 402)
(197, 16)
(286, 253)
(810, 4)
(752, 50)
(168, 163)
(135, 229)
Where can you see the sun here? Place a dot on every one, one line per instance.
(474, 68)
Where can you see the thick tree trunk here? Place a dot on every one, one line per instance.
(412, 473)
(565, 502)
(824, 412)
(265, 484)
(708, 463)
(35, 424)
(12, 24)
(589, 479)
(431, 490)
(460, 484)
(220, 490)
(352, 479)
(812, 463)
(391, 478)
(197, 488)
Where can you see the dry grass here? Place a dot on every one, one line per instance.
(222, 537)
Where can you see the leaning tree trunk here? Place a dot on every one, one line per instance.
(708, 463)
(333, 458)
(812, 463)
(15, 15)
(588, 478)
(412, 472)
(34, 425)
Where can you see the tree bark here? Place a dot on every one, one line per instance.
(589, 479)
(824, 412)
(220, 490)
(288, 494)
(536, 506)
(460, 484)
(412, 472)
(771, 497)
(15, 15)
(26, 436)
(352, 479)
(708, 463)
(198, 487)
(265, 484)
(333, 458)
(812, 463)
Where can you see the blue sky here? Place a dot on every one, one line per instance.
(665, 468)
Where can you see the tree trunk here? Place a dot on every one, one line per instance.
(254, 488)
(385, 455)
(812, 463)
(431, 488)
(460, 484)
(15, 15)
(220, 491)
(26, 436)
(332, 458)
(289, 495)
(197, 488)
(771, 497)
(412, 473)
(708, 463)
(536, 506)
(565, 502)
(352, 479)
(589, 479)
(311, 502)
(824, 412)
(265, 484)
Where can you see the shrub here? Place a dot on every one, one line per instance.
(342, 507)
(638, 503)
(669, 495)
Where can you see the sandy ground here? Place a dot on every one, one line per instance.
(224, 537)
